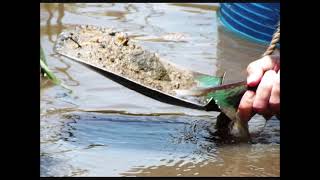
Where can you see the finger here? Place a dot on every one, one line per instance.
(245, 106)
(257, 68)
(263, 93)
(274, 101)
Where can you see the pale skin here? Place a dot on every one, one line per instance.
(264, 74)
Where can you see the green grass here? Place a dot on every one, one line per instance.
(46, 72)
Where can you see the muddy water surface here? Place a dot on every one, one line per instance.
(105, 129)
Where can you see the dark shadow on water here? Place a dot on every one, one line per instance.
(234, 54)
(184, 142)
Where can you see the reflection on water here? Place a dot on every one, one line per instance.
(50, 29)
(148, 145)
(104, 129)
(235, 53)
(209, 7)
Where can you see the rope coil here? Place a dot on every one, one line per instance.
(274, 41)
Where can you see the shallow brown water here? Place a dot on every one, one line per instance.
(104, 129)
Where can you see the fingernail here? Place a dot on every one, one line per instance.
(250, 80)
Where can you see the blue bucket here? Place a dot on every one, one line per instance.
(254, 21)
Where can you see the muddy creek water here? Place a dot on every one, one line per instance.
(105, 129)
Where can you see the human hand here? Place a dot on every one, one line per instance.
(264, 73)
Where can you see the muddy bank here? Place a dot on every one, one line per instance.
(113, 51)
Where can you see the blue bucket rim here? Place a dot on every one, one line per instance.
(239, 33)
